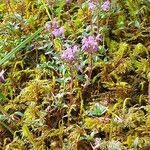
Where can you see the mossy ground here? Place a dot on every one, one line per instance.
(46, 103)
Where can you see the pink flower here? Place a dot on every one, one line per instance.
(106, 5)
(69, 54)
(54, 28)
(2, 76)
(91, 5)
(61, 30)
(90, 44)
(58, 31)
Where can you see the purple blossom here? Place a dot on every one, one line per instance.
(2, 76)
(69, 54)
(54, 28)
(91, 5)
(90, 44)
(106, 5)
(58, 31)
(48, 26)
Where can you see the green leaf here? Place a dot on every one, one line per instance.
(18, 113)
(2, 97)
(2, 117)
(97, 110)
(57, 44)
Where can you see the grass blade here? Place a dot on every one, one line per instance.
(21, 45)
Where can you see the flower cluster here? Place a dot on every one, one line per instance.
(58, 31)
(69, 54)
(2, 76)
(92, 6)
(90, 44)
(106, 5)
(54, 28)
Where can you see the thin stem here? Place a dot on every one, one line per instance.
(90, 67)
(71, 96)
(98, 17)
(91, 23)
(46, 10)
(71, 87)
(149, 91)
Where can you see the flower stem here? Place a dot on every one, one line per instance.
(90, 67)
(71, 87)
(91, 22)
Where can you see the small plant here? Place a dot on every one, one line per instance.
(69, 56)
(54, 28)
(90, 46)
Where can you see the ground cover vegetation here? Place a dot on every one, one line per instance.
(74, 75)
